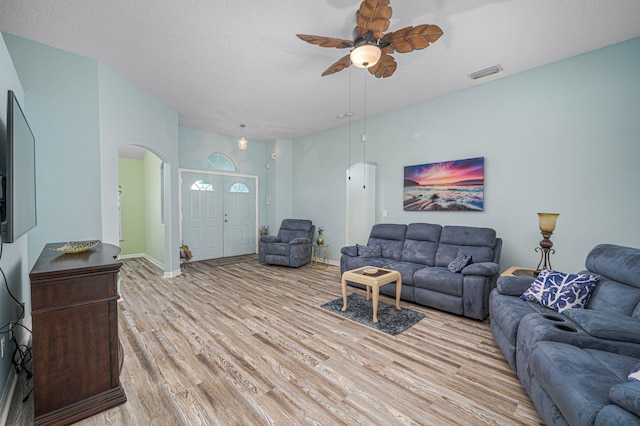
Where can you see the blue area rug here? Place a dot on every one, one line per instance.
(389, 320)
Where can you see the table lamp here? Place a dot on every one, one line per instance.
(547, 226)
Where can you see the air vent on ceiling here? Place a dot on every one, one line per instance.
(485, 72)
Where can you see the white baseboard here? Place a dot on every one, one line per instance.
(131, 255)
(166, 274)
(145, 256)
(172, 274)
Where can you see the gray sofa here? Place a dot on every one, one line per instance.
(422, 252)
(291, 247)
(574, 365)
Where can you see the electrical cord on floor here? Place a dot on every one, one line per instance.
(22, 353)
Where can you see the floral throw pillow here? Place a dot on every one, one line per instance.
(560, 291)
(460, 262)
(634, 376)
(369, 251)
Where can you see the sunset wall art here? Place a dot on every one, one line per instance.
(448, 185)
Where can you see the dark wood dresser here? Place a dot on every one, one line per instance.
(76, 352)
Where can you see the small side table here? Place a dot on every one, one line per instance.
(373, 283)
(320, 256)
(519, 271)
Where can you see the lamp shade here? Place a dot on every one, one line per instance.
(365, 56)
(548, 221)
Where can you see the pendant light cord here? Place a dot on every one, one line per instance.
(364, 136)
(350, 114)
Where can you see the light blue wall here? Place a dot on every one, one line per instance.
(131, 116)
(85, 111)
(62, 94)
(14, 256)
(561, 138)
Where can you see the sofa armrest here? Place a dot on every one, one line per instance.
(606, 325)
(270, 239)
(627, 396)
(513, 286)
(350, 251)
(485, 269)
(299, 240)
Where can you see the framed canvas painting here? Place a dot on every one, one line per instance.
(448, 185)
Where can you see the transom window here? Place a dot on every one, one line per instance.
(219, 162)
(239, 187)
(202, 185)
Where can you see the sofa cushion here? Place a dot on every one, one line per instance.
(477, 242)
(369, 251)
(421, 243)
(406, 269)
(614, 296)
(560, 291)
(606, 325)
(507, 311)
(578, 380)
(349, 250)
(627, 395)
(618, 263)
(482, 269)
(281, 249)
(437, 279)
(460, 262)
(513, 286)
(390, 237)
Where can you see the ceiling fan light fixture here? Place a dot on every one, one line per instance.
(365, 55)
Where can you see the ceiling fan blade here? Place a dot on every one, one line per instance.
(344, 62)
(374, 16)
(385, 67)
(408, 39)
(323, 41)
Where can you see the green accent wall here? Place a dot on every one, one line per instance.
(142, 219)
(131, 182)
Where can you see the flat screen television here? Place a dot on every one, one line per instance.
(18, 174)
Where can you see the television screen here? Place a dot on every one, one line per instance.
(19, 174)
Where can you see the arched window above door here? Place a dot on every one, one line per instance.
(239, 187)
(219, 162)
(202, 185)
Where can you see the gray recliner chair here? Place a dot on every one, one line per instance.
(292, 246)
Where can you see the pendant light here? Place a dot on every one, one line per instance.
(242, 141)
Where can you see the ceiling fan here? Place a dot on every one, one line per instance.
(371, 48)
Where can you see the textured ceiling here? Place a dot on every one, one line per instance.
(222, 63)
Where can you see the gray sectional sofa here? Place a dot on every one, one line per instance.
(575, 365)
(422, 252)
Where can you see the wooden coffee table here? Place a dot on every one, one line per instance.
(372, 281)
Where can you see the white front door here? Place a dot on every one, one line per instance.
(239, 216)
(202, 215)
(218, 215)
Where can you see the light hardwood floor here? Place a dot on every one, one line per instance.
(240, 343)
